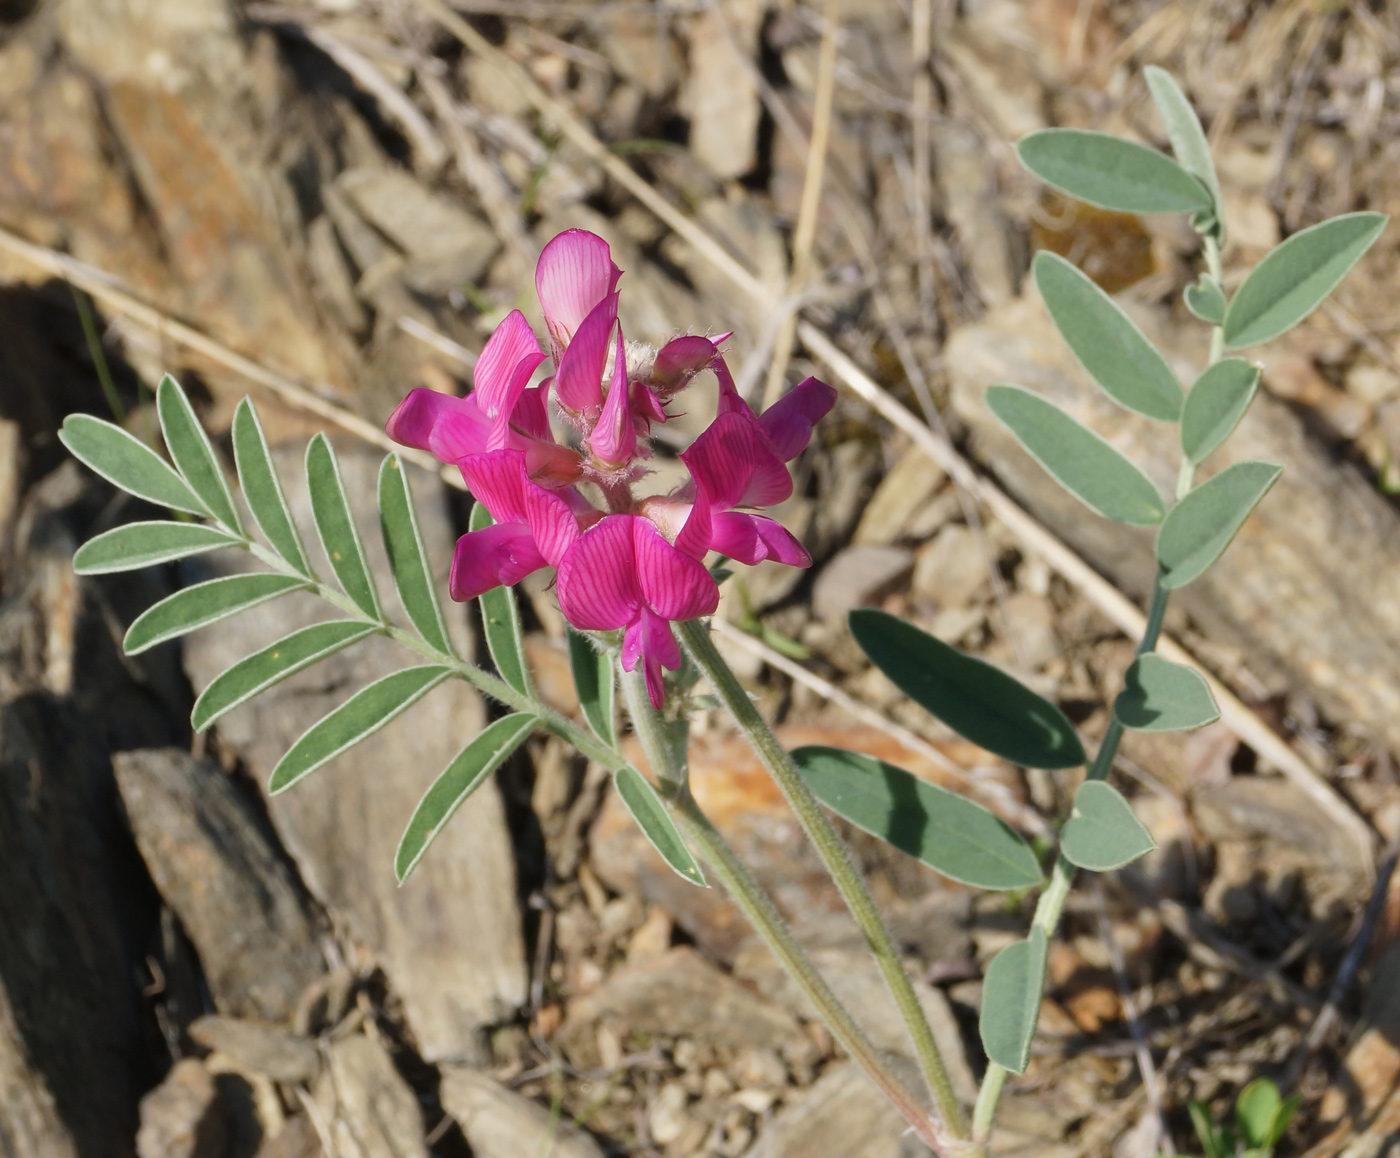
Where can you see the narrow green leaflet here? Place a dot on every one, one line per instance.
(500, 616)
(1114, 352)
(1292, 281)
(975, 699)
(1215, 405)
(262, 489)
(1161, 696)
(644, 803)
(1211, 1135)
(408, 558)
(331, 510)
(593, 677)
(203, 604)
(126, 462)
(1183, 130)
(470, 768)
(1111, 173)
(947, 832)
(1011, 994)
(360, 716)
(135, 545)
(1200, 526)
(1081, 462)
(1206, 300)
(1104, 832)
(259, 671)
(193, 454)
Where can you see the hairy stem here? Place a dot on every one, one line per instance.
(696, 637)
(762, 914)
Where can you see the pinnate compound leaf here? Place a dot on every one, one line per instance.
(1206, 300)
(1183, 130)
(1104, 832)
(1111, 173)
(1084, 464)
(1294, 278)
(1215, 405)
(259, 671)
(470, 768)
(1199, 528)
(593, 678)
(193, 454)
(1011, 994)
(262, 489)
(500, 616)
(945, 831)
(1161, 696)
(336, 525)
(134, 545)
(360, 716)
(978, 701)
(647, 809)
(408, 558)
(1114, 352)
(203, 604)
(126, 462)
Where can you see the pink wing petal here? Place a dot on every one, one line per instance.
(649, 639)
(578, 384)
(498, 367)
(496, 555)
(550, 464)
(598, 588)
(789, 421)
(413, 419)
(693, 538)
(680, 359)
(501, 432)
(575, 272)
(614, 438)
(733, 464)
(531, 413)
(673, 585)
(497, 479)
(730, 399)
(551, 522)
(751, 539)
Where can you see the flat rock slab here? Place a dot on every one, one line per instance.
(266, 1049)
(842, 1114)
(219, 868)
(371, 1110)
(450, 940)
(499, 1123)
(1307, 591)
(680, 994)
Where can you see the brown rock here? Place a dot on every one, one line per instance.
(449, 940)
(267, 1049)
(220, 869)
(499, 1123)
(372, 1111)
(856, 577)
(842, 1114)
(721, 96)
(903, 494)
(182, 1117)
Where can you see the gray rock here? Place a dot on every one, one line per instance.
(951, 569)
(371, 1109)
(219, 868)
(721, 96)
(499, 1123)
(856, 577)
(843, 1113)
(897, 502)
(182, 1117)
(679, 994)
(267, 1049)
(450, 940)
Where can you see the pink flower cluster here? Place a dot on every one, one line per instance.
(636, 565)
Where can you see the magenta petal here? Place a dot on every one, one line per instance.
(730, 400)
(598, 588)
(614, 438)
(412, 422)
(680, 359)
(732, 462)
(501, 554)
(460, 430)
(578, 384)
(496, 370)
(789, 421)
(497, 480)
(515, 388)
(649, 639)
(693, 538)
(551, 522)
(575, 272)
(674, 585)
(751, 539)
(531, 413)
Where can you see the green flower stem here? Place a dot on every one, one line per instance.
(667, 761)
(696, 637)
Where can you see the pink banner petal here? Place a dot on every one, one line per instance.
(614, 438)
(673, 585)
(575, 272)
(497, 480)
(598, 588)
(789, 421)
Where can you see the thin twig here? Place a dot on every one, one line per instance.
(813, 178)
(439, 342)
(921, 21)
